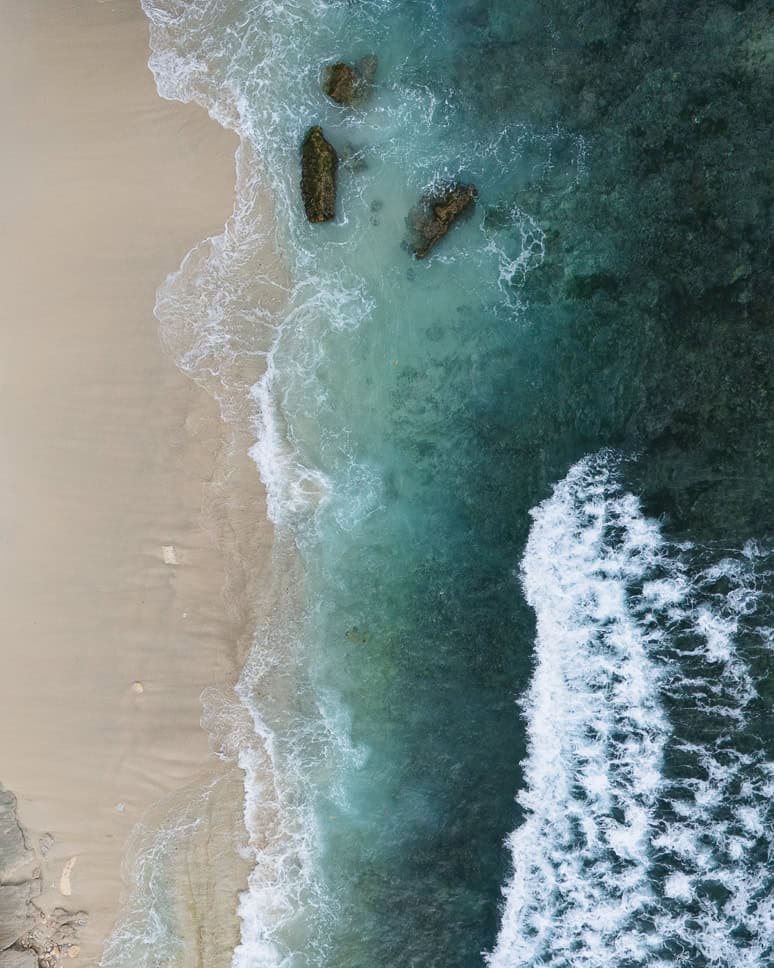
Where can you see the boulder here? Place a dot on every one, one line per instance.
(340, 83)
(347, 85)
(436, 214)
(318, 176)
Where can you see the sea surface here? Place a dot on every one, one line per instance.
(516, 708)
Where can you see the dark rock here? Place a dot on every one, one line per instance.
(318, 176)
(436, 214)
(349, 85)
(340, 83)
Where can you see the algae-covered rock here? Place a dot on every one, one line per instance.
(318, 176)
(340, 83)
(436, 214)
(347, 85)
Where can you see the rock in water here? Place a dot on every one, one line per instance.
(348, 85)
(318, 176)
(436, 214)
(340, 83)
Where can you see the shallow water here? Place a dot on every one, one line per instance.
(413, 412)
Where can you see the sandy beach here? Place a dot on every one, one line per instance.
(114, 618)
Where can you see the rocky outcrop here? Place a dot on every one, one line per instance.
(350, 86)
(18, 959)
(319, 162)
(340, 83)
(29, 937)
(52, 939)
(18, 885)
(435, 215)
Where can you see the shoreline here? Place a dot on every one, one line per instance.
(117, 613)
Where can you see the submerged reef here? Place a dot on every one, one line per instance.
(318, 176)
(657, 210)
(350, 86)
(353, 157)
(435, 215)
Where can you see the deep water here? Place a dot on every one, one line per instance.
(612, 289)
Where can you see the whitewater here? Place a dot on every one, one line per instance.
(646, 837)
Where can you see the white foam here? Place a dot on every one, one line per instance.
(678, 885)
(596, 730)
(212, 325)
(615, 858)
(518, 251)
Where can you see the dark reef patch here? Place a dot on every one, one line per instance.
(662, 246)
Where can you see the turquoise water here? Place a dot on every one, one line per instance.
(611, 290)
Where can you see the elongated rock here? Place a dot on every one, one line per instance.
(436, 214)
(318, 176)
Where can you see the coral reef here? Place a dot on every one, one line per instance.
(658, 261)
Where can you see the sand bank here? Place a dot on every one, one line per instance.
(113, 617)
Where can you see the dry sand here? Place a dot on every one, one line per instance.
(113, 619)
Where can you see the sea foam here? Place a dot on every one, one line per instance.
(645, 832)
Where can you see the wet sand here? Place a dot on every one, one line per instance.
(111, 584)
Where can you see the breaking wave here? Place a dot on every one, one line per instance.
(648, 824)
